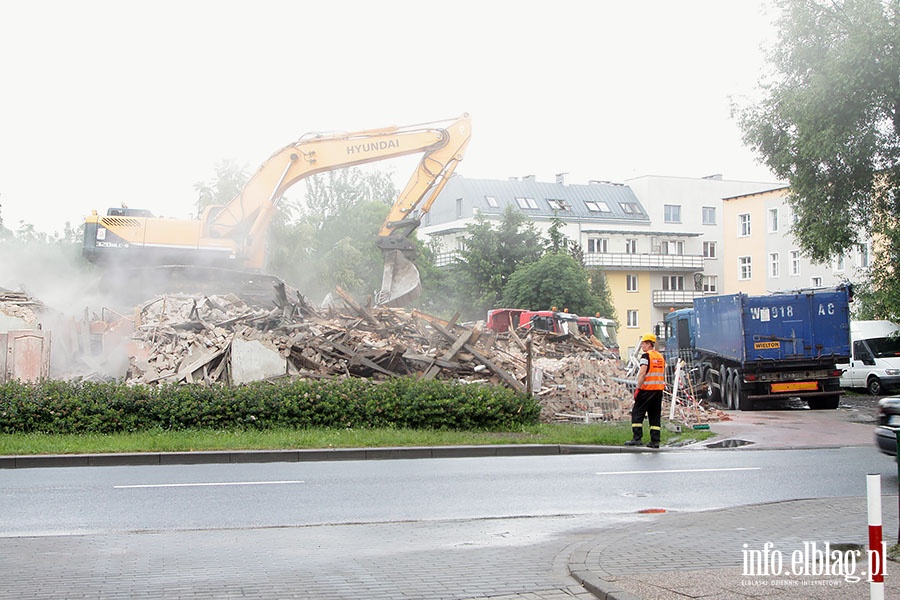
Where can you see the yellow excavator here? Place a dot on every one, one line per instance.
(227, 243)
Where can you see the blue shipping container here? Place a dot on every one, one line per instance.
(806, 325)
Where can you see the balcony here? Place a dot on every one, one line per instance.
(675, 298)
(664, 262)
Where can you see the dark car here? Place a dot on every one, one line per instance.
(888, 424)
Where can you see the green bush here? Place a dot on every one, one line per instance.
(87, 407)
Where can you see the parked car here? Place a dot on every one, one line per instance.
(888, 424)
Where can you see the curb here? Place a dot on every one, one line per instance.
(317, 455)
(601, 588)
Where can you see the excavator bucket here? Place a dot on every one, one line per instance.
(400, 283)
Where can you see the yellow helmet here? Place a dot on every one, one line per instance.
(649, 337)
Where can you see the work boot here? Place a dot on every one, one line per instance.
(637, 436)
(652, 444)
(654, 437)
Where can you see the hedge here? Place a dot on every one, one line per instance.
(109, 407)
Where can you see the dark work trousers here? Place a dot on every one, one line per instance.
(649, 403)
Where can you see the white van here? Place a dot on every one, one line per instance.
(874, 357)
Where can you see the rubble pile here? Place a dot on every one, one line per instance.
(190, 339)
(19, 305)
(211, 338)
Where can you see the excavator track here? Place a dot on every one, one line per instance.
(134, 286)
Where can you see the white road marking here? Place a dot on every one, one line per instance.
(211, 484)
(678, 471)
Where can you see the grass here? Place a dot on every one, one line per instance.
(613, 434)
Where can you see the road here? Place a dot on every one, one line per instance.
(88, 500)
(440, 528)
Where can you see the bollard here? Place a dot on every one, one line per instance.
(876, 548)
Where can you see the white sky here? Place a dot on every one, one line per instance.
(111, 101)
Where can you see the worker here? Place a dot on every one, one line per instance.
(648, 394)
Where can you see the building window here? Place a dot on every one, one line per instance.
(838, 263)
(459, 208)
(709, 215)
(526, 203)
(631, 283)
(632, 318)
(597, 206)
(795, 262)
(710, 284)
(598, 245)
(631, 246)
(492, 202)
(709, 249)
(744, 225)
(672, 213)
(673, 282)
(774, 264)
(631, 208)
(816, 282)
(773, 220)
(862, 256)
(673, 247)
(558, 204)
(745, 270)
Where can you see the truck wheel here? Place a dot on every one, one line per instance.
(736, 399)
(874, 387)
(825, 403)
(713, 393)
(727, 391)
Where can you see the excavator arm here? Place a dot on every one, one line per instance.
(247, 217)
(233, 236)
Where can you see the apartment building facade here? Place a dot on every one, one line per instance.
(761, 256)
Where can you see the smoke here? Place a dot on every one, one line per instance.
(66, 298)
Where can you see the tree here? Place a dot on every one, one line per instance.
(556, 279)
(490, 255)
(226, 185)
(600, 289)
(333, 241)
(829, 124)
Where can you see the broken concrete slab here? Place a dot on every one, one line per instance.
(251, 360)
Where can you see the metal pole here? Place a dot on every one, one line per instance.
(876, 547)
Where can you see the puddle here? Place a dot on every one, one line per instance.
(729, 444)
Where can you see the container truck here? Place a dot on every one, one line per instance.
(747, 349)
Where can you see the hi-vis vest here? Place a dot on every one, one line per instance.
(655, 379)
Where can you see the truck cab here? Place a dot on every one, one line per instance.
(503, 319)
(875, 357)
(602, 329)
(551, 321)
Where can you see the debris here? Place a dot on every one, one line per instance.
(209, 339)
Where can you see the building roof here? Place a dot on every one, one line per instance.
(599, 202)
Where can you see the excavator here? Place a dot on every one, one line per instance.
(227, 244)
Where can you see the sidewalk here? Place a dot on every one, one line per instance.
(700, 555)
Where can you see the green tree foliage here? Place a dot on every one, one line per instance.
(333, 240)
(556, 279)
(490, 255)
(600, 289)
(829, 124)
(228, 182)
